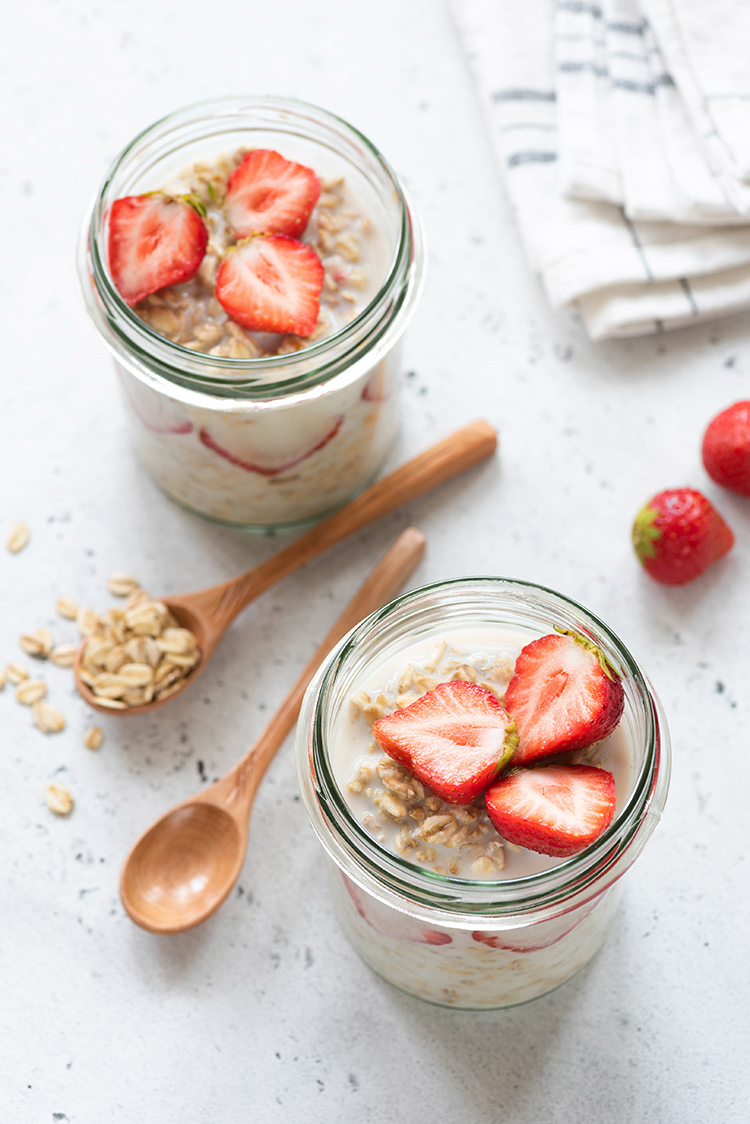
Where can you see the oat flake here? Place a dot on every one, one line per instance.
(15, 673)
(122, 585)
(67, 607)
(18, 536)
(48, 718)
(59, 800)
(31, 691)
(64, 655)
(93, 738)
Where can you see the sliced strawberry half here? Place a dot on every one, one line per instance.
(271, 283)
(154, 241)
(267, 194)
(554, 809)
(564, 695)
(454, 739)
(265, 466)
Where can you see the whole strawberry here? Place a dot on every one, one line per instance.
(678, 534)
(726, 448)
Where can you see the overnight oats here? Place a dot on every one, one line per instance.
(481, 760)
(252, 265)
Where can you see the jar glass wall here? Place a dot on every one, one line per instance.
(458, 940)
(238, 432)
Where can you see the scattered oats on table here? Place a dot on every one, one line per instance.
(30, 691)
(63, 655)
(67, 607)
(47, 718)
(87, 620)
(59, 799)
(38, 643)
(15, 673)
(18, 537)
(122, 585)
(93, 738)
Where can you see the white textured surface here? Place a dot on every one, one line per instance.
(265, 1013)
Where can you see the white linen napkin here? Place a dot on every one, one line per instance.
(707, 47)
(588, 165)
(626, 277)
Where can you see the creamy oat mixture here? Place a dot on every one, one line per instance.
(399, 811)
(341, 235)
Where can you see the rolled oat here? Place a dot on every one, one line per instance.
(31, 691)
(93, 738)
(15, 673)
(122, 585)
(47, 718)
(67, 608)
(63, 655)
(59, 799)
(87, 620)
(18, 537)
(38, 643)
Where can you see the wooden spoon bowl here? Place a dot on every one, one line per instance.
(184, 866)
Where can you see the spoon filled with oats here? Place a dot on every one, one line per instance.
(136, 658)
(182, 868)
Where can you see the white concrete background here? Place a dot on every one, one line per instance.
(264, 1013)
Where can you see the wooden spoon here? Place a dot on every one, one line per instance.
(209, 612)
(182, 868)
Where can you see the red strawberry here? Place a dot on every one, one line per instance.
(154, 241)
(564, 695)
(678, 535)
(271, 283)
(726, 448)
(453, 739)
(555, 809)
(267, 194)
(265, 466)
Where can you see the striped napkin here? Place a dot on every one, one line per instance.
(622, 129)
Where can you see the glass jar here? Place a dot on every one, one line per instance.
(457, 941)
(276, 439)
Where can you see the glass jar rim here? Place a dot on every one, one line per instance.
(386, 314)
(562, 887)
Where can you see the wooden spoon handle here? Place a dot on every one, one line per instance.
(441, 462)
(380, 587)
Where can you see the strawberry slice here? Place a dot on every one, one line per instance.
(267, 194)
(278, 465)
(154, 241)
(454, 739)
(564, 695)
(554, 809)
(271, 283)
